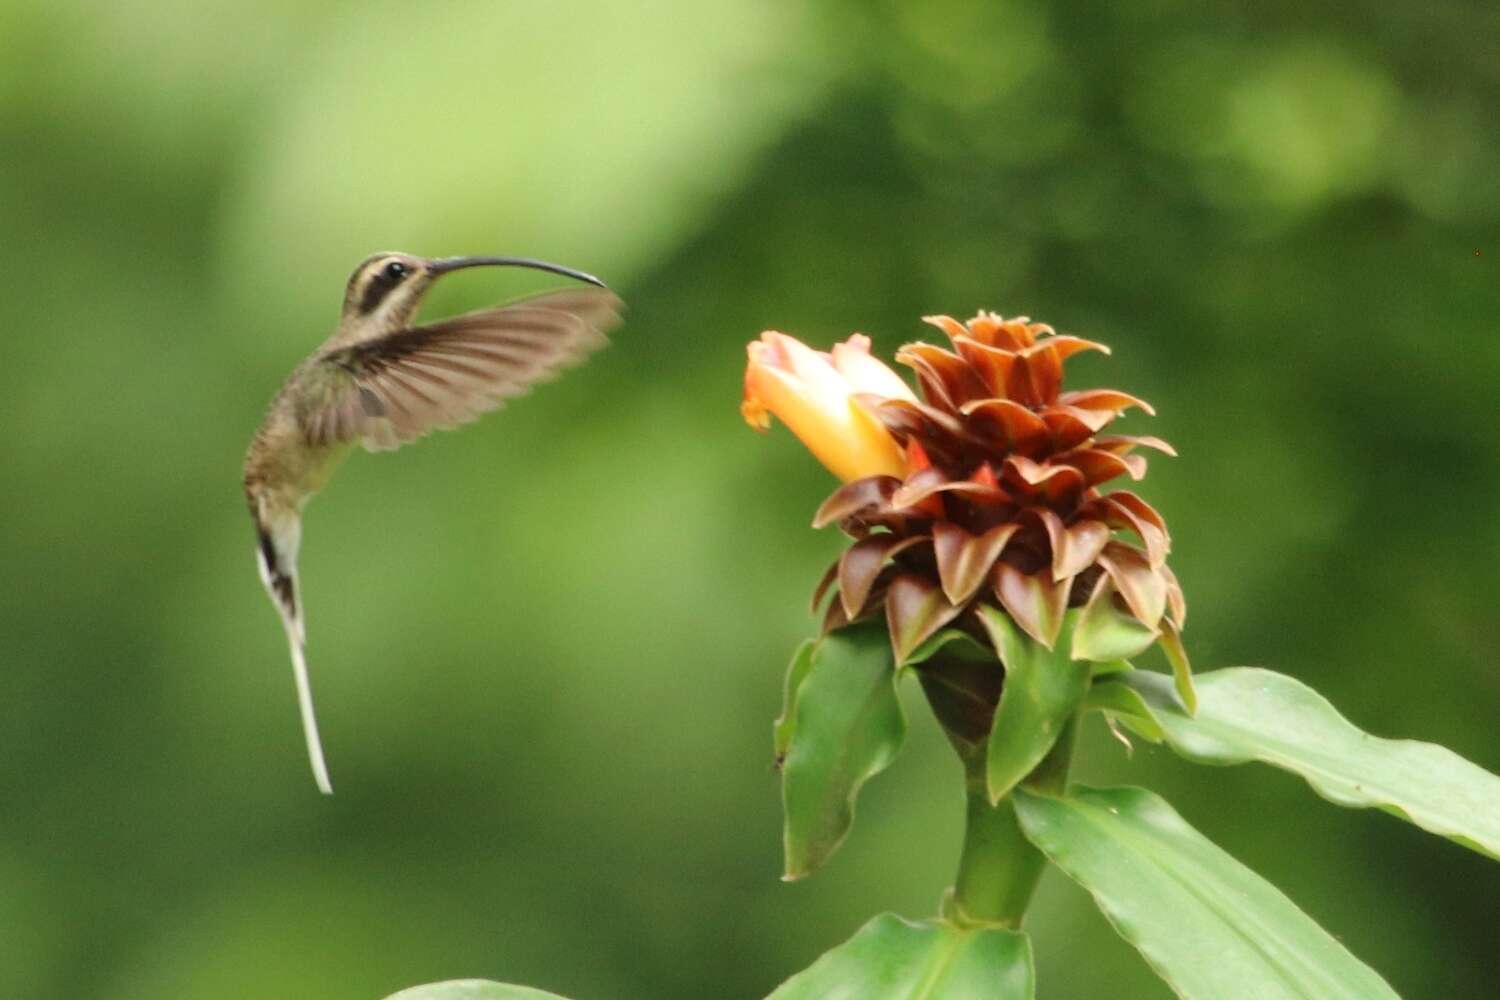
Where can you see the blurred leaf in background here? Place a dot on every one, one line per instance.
(554, 759)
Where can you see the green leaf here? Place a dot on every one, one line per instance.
(1209, 926)
(472, 989)
(1120, 701)
(796, 673)
(895, 959)
(1245, 713)
(1043, 688)
(847, 727)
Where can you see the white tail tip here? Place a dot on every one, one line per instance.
(309, 720)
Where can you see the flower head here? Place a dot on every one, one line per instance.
(989, 488)
(826, 400)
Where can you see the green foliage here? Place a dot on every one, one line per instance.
(1182, 670)
(955, 642)
(1208, 925)
(847, 726)
(895, 959)
(1250, 714)
(796, 673)
(472, 989)
(1103, 634)
(1211, 927)
(1043, 688)
(1119, 701)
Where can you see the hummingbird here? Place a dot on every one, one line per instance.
(379, 381)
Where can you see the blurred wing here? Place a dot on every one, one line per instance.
(395, 389)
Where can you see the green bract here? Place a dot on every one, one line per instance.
(1043, 688)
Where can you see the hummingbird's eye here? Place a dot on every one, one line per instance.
(394, 271)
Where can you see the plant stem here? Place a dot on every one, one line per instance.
(999, 868)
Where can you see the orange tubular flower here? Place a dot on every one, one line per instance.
(826, 400)
(999, 499)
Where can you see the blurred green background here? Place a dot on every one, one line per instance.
(547, 649)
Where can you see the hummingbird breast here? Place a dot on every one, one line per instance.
(282, 468)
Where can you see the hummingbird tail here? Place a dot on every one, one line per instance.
(309, 718)
(278, 571)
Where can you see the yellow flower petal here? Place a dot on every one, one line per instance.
(864, 373)
(812, 393)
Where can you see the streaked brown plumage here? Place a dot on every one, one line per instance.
(380, 382)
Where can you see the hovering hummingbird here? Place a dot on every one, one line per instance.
(380, 382)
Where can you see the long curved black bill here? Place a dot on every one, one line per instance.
(445, 264)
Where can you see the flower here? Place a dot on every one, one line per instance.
(999, 497)
(827, 401)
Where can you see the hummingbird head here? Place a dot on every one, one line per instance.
(386, 288)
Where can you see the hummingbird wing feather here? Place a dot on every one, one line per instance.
(399, 387)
